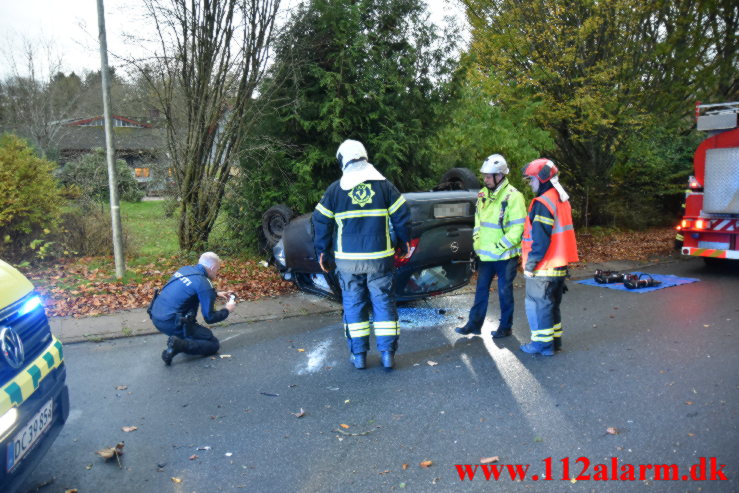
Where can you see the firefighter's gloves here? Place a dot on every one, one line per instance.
(528, 274)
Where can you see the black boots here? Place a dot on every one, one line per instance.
(175, 345)
(465, 330)
(501, 333)
(388, 360)
(359, 360)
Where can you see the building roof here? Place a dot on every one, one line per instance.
(80, 138)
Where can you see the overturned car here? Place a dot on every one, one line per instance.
(442, 258)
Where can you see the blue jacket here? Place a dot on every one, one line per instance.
(362, 217)
(187, 288)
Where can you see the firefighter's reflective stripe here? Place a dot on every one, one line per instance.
(359, 329)
(320, 208)
(558, 330)
(563, 247)
(499, 256)
(20, 388)
(386, 328)
(506, 242)
(358, 214)
(542, 335)
(393, 208)
(544, 220)
(555, 272)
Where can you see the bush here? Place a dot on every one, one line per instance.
(89, 173)
(87, 231)
(30, 199)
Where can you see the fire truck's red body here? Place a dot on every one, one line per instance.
(710, 225)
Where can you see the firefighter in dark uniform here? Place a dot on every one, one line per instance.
(548, 247)
(361, 206)
(175, 308)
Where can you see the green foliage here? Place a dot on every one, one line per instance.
(370, 70)
(29, 199)
(89, 173)
(87, 231)
(605, 71)
(478, 126)
(647, 183)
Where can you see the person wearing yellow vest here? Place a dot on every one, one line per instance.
(499, 221)
(548, 247)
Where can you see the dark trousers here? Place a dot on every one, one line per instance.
(359, 293)
(201, 341)
(506, 272)
(543, 299)
(198, 339)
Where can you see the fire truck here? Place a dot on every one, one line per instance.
(710, 224)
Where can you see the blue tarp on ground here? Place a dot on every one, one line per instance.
(667, 282)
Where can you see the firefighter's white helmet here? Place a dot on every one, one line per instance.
(349, 152)
(494, 164)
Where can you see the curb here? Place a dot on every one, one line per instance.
(136, 322)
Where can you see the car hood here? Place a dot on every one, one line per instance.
(13, 285)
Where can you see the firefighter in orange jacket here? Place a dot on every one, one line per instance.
(548, 246)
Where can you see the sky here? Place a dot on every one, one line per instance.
(70, 29)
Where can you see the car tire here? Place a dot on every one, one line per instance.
(274, 222)
(459, 179)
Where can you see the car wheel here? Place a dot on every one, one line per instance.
(274, 222)
(459, 179)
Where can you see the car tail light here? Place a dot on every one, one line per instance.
(701, 224)
(694, 184)
(685, 224)
(679, 227)
(399, 261)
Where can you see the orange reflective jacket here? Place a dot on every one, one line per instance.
(563, 248)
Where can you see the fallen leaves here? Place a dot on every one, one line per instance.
(405, 467)
(612, 430)
(489, 460)
(176, 480)
(111, 452)
(346, 427)
(299, 414)
(129, 429)
(426, 464)
(193, 457)
(121, 387)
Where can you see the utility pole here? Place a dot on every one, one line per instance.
(115, 209)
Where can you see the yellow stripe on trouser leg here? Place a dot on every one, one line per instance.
(543, 335)
(359, 329)
(558, 330)
(386, 328)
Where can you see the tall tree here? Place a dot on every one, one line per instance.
(210, 58)
(605, 70)
(371, 70)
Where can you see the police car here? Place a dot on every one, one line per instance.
(441, 246)
(34, 400)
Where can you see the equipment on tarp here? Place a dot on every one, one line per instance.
(632, 281)
(608, 276)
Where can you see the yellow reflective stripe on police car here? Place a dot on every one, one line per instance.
(20, 388)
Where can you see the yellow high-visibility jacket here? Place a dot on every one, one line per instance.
(499, 220)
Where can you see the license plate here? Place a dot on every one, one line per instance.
(451, 210)
(24, 440)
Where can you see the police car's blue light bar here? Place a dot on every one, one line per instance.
(30, 305)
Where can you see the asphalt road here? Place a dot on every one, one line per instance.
(660, 368)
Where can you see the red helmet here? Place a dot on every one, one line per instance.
(542, 168)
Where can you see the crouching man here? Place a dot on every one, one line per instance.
(173, 311)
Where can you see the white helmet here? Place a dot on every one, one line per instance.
(350, 151)
(494, 164)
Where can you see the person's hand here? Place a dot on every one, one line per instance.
(223, 294)
(528, 274)
(231, 305)
(320, 262)
(407, 250)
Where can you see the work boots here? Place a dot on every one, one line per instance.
(388, 360)
(359, 360)
(536, 347)
(175, 345)
(465, 330)
(500, 333)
